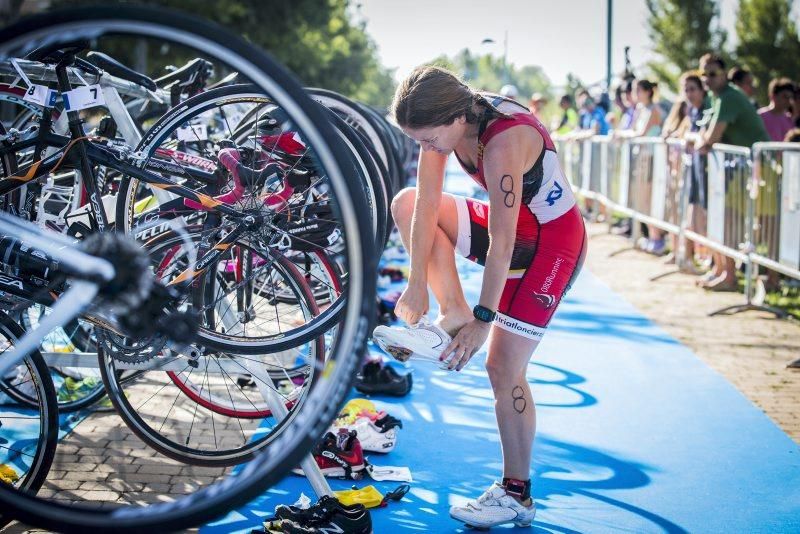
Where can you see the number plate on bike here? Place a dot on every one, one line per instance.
(88, 96)
(41, 95)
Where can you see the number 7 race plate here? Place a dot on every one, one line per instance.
(88, 96)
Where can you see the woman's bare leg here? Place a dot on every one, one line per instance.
(442, 274)
(506, 365)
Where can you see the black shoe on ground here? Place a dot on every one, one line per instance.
(320, 511)
(376, 378)
(354, 519)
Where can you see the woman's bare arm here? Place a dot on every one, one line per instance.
(507, 158)
(430, 178)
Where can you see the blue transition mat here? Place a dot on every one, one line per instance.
(635, 434)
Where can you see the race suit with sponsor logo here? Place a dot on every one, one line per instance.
(550, 244)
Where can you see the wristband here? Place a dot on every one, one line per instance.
(483, 314)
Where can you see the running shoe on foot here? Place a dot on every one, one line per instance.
(494, 508)
(339, 455)
(704, 279)
(422, 341)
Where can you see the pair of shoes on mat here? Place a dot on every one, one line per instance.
(376, 378)
(423, 341)
(327, 515)
(494, 508)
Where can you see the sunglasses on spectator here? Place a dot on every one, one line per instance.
(711, 74)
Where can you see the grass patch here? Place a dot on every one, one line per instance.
(787, 299)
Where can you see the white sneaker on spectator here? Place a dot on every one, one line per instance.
(494, 508)
(422, 341)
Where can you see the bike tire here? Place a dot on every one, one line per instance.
(47, 406)
(335, 381)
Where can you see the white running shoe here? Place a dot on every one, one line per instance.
(422, 341)
(495, 507)
(372, 438)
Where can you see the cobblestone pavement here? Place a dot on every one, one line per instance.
(103, 462)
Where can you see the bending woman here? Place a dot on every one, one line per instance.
(529, 237)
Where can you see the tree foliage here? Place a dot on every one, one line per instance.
(768, 41)
(315, 39)
(487, 72)
(680, 32)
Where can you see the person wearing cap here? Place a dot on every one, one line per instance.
(536, 103)
(509, 91)
(592, 117)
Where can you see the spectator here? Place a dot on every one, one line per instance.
(676, 120)
(625, 101)
(536, 104)
(569, 118)
(647, 117)
(509, 91)
(792, 136)
(731, 120)
(583, 94)
(796, 107)
(696, 103)
(592, 118)
(673, 127)
(591, 121)
(777, 116)
(647, 123)
(627, 104)
(743, 79)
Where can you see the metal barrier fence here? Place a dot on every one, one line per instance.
(750, 197)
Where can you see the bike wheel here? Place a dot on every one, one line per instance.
(356, 252)
(239, 114)
(30, 431)
(199, 406)
(76, 387)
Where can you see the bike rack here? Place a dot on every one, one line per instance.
(279, 410)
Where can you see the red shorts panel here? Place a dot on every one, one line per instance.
(546, 260)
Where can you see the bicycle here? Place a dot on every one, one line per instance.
(333, 382)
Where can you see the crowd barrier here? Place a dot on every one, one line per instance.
(750, 198)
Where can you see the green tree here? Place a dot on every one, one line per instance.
(485, 72)
(768, 41)
(573, 86)
(681, 31)
(315, 39)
